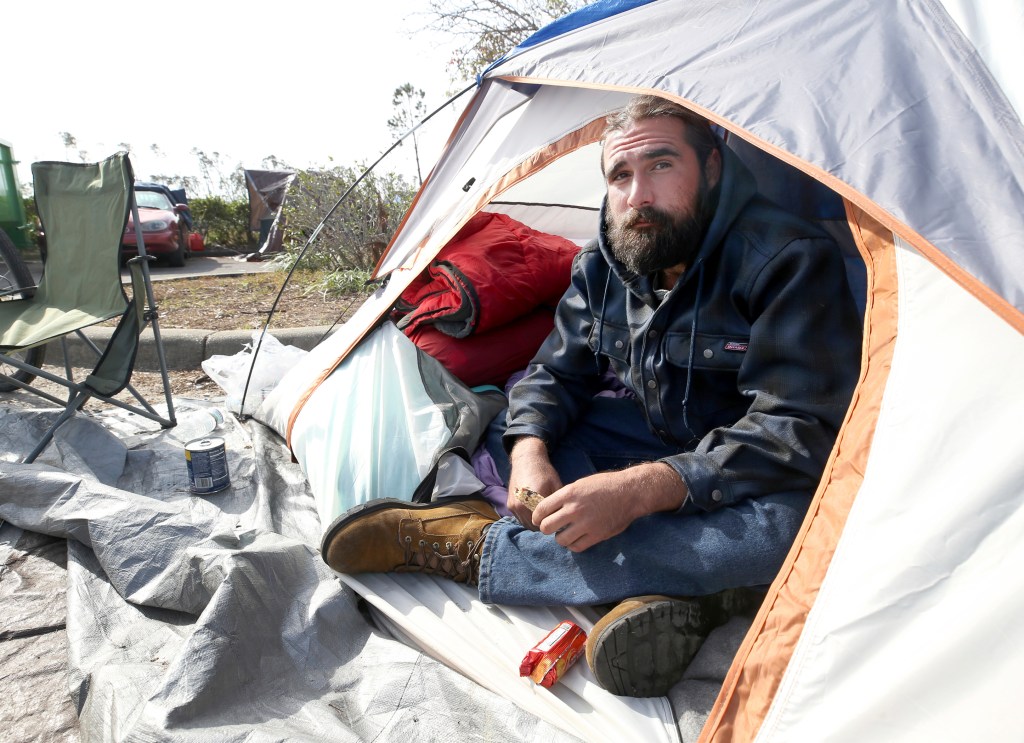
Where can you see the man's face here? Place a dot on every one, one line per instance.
(658, 205)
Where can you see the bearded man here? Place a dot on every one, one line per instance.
(727, 326)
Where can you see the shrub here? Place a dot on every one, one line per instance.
(325, 282)
(222, 222)
(31, 226)
(355, 236)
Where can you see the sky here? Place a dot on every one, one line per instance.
(306, 81)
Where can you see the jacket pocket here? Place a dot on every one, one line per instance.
(711, 353)
(612, 342)
(714, 398)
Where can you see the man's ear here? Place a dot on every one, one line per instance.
(713, 168)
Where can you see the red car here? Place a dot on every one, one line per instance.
(165, 227)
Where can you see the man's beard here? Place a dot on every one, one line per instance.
(666, 242)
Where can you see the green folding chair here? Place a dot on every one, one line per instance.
(84, 210)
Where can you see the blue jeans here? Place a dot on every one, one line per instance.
(665, 553)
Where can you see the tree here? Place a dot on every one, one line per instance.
(409, 111)
(273, 162)
(71, 143)
(217, 176)
(354, 237)
(492, 27)
(69, 140)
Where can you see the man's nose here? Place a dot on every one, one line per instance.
(640, 193)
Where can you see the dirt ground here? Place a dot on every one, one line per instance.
(224, 303)
(238, 303)
(244, 302)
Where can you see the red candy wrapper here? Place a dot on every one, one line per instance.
(549, 659)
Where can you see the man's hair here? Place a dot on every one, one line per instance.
(696, 129)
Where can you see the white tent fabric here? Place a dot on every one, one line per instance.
(995, 29)
(516, 120)
(917, 617)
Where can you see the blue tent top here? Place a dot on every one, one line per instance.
(577, 19)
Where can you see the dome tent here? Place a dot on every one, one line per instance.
(894, 615)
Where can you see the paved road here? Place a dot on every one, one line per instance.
(205, 265)
(197, 265)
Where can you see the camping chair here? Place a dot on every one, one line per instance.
(84, 211)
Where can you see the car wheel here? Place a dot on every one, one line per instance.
(14, 275)
(177, 258)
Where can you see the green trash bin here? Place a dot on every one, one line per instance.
(12, 210)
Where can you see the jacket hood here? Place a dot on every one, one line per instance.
(736, 189)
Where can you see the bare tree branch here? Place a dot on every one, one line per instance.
(491, 27)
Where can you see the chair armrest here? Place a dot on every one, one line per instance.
(138, 276)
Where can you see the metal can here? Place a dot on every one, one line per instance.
(207, 465)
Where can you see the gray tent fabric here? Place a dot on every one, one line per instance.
(212, 618)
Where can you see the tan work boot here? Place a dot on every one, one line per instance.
(395, 536)
(642, 647)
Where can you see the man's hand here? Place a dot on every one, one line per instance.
(598, 507)
(531, 468)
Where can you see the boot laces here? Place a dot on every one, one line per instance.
(425, 556)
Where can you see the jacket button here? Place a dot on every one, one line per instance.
(653, 334)
(651, 384)
(708, 353)
(619, 344)
(716, 495)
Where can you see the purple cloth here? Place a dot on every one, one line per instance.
(495, 490)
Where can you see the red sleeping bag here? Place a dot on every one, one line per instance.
(473, 307)
(491, 357)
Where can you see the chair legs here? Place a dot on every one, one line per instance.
(72, 407)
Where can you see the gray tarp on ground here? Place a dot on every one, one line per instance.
(212, 618)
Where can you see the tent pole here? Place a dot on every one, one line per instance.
(319, 229)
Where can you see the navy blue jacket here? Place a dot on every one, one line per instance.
(754, 404)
